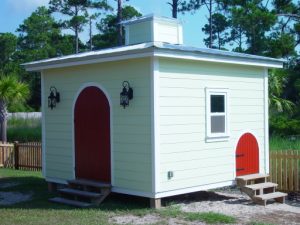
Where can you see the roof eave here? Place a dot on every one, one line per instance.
(218, 58)
(39, 66)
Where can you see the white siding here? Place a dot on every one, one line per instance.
(131, 127)
(183, 146)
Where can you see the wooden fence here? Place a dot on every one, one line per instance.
(285, 170)
(24, 156)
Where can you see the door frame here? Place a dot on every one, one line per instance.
(236, 143)
(101, 88)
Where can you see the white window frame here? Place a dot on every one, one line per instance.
(216, 136)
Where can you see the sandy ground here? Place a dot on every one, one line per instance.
(228, 201)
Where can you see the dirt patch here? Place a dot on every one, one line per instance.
(10, 198)
(131, 219)
(240, 207)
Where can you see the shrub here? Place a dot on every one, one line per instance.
(24, 130)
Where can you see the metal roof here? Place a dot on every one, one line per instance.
(150, 17)
(154, 49)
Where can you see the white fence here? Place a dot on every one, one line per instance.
(25, 115)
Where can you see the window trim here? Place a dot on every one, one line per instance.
(216, 136)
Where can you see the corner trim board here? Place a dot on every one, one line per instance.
(43, 124)
(266, 122)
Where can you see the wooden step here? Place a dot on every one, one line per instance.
(248, 179)
(89, 183)
(262, 199)
(252, 176)
(70, 202)
(259, 186)
(76, 192)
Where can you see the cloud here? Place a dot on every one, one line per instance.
(25, 5)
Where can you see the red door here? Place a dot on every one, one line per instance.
(247, 158)
(92, 135)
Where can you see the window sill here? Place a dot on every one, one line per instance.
(217, 139)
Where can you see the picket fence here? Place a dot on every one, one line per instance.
(285, 170)
(284, 165)
(23, 156)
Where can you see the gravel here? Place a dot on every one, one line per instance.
(10, 198)
(228, 201)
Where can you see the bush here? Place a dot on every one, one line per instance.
(24, 130)
(283, 125)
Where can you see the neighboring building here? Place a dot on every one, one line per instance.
(198, 117)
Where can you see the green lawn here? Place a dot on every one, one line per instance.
(39, 211)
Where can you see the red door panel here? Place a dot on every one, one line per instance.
(92, 135)
(247, 158)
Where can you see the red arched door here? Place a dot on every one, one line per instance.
(92, 135)
(247, 158)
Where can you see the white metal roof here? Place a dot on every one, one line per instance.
(158, 49)
(150, 17)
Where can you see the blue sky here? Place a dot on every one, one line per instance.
(13, 13)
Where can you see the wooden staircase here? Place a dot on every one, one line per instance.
(258, 189)
(83, 193)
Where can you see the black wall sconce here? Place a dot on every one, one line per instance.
(53, 98)
(126, 94)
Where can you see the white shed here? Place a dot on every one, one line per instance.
(198, 117)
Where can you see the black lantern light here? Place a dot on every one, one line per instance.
(53, 98)
(126, 94)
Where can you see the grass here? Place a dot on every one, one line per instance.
(207, 217)
(24, 130)
(284, 143)
(38, 211)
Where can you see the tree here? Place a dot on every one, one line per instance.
(253, 20)
(11, 91)
(8, 46)
(39, 38)
(277, 83)
(218, 31)
(107, 26)
(77, 11)
(211, 6)
(175, 4)
(119, 20)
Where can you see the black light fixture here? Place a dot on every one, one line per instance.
(126, 94)
(53, 98)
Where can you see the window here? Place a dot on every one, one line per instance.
(216, 113)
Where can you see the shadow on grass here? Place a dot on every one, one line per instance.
(195, 197)
(37, 186)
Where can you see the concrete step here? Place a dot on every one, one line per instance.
(259, 186)
(86, 194)
(89, 183)
(70, 202)
(262, 199)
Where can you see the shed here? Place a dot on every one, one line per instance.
(198, 117)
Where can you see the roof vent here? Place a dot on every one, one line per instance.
(153, 29)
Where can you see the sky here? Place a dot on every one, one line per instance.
(14, 12)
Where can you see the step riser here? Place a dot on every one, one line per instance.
(83, 193)
(258, 189)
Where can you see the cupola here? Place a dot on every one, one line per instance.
(153, 28)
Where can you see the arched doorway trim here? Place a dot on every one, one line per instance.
(81, 88)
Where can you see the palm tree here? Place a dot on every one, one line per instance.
(277, 80)
(11, 91)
